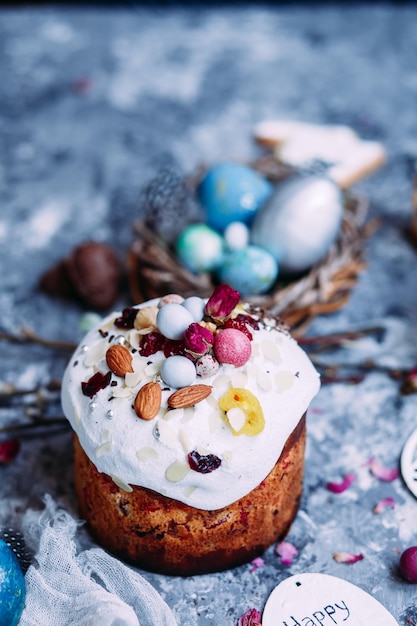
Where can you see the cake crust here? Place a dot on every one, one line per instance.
(158, 533)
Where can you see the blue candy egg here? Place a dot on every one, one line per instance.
(200, 248)
(232, 192)
(12, 587)
(250, 270)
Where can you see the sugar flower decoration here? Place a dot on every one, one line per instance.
(287, 551)
(250, 618)
(222, 302)
(345, 483)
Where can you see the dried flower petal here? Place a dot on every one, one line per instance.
(383, 504)
(256, 564)
(345, 483)
(222, 302)
(250, 618)
(198, 340)
(9, 450)
(287, 551)
(383, 473)
(95, 383)
(151, 343)
(347, 557)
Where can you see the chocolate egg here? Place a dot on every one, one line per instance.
(250, 270)
(12, 587)
(299, 222)
(200, 248)
(232, 192)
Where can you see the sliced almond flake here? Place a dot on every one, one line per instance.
(145, 331)
(133, 339)
(271, 351)
(185, 440)
(132, 378)
(221, 381)
(237, 418)
(138, 364)
(212, 401)
(239, 378)
(121, 483)
(105, 434)
(215, 421)
(264, 380)
(284, 380)
(188, 491)
(153, 368)
(173, 413)
(104, 448)
(167, 434)
(77, 417)
(147, 453)
(189, 413)
(227, 457)
(177, 471)
(95, 353)
(122, 392)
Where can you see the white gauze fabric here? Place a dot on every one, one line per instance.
(87, 589)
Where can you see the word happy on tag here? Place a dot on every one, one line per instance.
(322, 600)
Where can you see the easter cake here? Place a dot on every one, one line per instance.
(189, 419)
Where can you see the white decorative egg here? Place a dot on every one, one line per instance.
(178, 371)
(195, 306)
(299, 222)
(200, 248)
(173, 319)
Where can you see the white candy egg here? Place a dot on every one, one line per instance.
(178, 371)
(195, 306)
(299, 222)
(236, 236)
(173, 319)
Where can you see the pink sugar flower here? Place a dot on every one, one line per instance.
(250, 618)
(347, 557)
(287, 551)
(198, 340)
(384, 503)
(345, 483)
(222, 302)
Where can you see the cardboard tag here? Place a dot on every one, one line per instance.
(409, 463)
(322, 600)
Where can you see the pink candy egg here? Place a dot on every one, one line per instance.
(232, 346)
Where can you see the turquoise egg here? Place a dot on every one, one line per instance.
(232, 192)
(200, 248)
(250, 270)
(12, 587)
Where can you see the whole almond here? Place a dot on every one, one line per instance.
(188, 396)
(119, 360)
(148, 401)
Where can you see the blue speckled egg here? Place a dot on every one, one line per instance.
(200, 248)
(250, 270)
(299, 222)
(12, 587)
(232, 192)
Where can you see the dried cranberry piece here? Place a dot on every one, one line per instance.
(203, 463)
(95, 383)
(127, 319)
(241, 322)
(151, 343)
(8, 450)
(173, 347)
